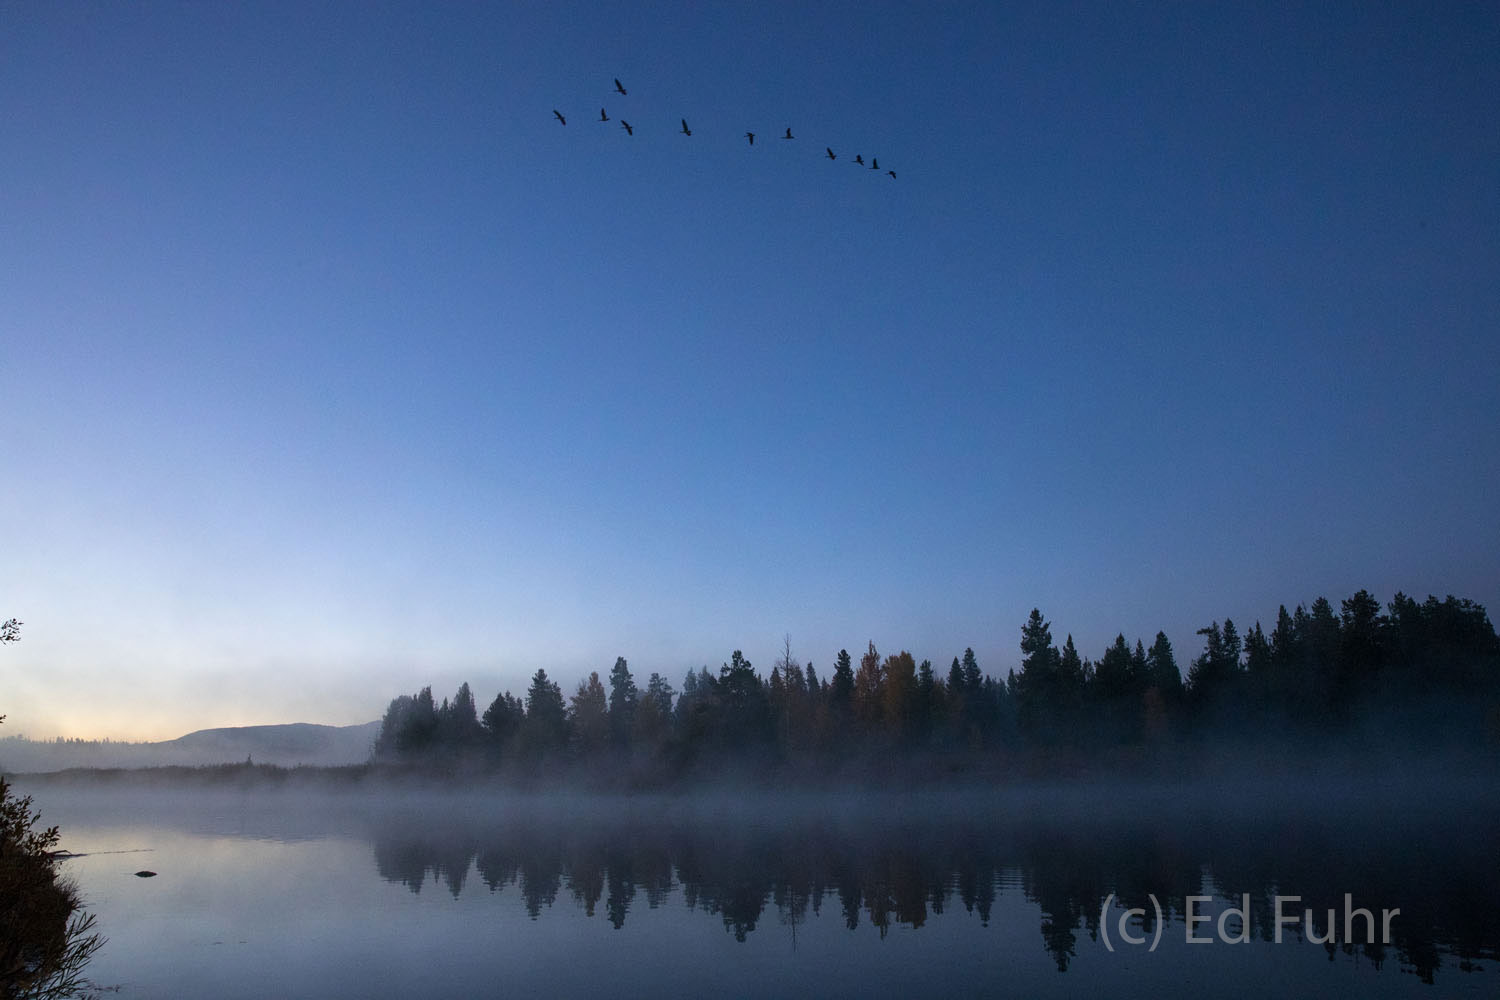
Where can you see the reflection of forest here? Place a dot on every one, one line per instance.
(1443, 880)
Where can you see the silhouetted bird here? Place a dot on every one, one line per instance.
(892, 173)
(626, 125)
(559, 116)
(685, 129)
(859, 159)
(788, 133)
(618, 87)
(874, 163)
(830, 154)
(602, 116)
(751, 137)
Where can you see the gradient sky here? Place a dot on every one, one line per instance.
(331, 365)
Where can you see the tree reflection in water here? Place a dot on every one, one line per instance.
(904, 872)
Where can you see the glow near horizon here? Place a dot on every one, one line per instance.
(334, 367)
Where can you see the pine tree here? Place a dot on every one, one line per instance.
(623, 699)
(972, 677)
(841, 690)
(546, 726)
(1038, 684)
(502, 721)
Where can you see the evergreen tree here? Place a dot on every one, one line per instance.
(546, 727)
(1163, 690)
(927, 700)
(502, 721)
(1161, 666)
(1213, 684)
(392, 727)
(1117, 688)
(1320, 650)
(841, 690)
(414, 725)
(623, 697)
(972, 677)
(1112, 680)
(653, 716)
(1257, 652)
(458, 723)
(1038, 684)
(745, 707)
(1362, 631)
(1072, 684)
(697, 711)
(1140, 672)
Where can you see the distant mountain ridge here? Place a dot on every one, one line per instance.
(287, 745)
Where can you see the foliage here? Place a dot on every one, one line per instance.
(1418, 672)
(44, 941)
(588, 717)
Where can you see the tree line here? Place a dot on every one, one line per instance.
(1416, 672)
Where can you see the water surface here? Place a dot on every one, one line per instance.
(364, 894)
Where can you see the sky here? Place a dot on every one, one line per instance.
(332, 365)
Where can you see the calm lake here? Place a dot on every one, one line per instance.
(1020, 893)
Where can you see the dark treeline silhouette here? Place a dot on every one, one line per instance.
(908, 872)
(1416, 675)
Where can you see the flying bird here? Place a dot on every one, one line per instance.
(559, 116)
(830, 154)
(788, 133)
(892, 173)
(618, 87)
(685, 129)
(859, 159)
(628, 129)
(751, 137)
(602, 116)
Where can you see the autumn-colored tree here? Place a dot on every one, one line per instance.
(588, 717)
(867, 691)
(899, 695)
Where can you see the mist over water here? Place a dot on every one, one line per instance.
(987, 892)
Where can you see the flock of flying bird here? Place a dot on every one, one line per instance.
(630, 130)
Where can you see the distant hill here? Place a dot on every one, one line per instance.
(286, 745)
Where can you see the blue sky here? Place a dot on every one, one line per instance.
(332, 365)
